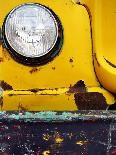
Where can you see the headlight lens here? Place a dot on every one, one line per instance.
(31, 30)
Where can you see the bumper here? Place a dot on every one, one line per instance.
(62, 99)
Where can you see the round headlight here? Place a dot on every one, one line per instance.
(32, 31)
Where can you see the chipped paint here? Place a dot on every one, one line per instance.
(33, 70)
(58, 138)
(71, 60)
(78, 87)
(86, 135)
(5, 86)
(90, 101)
(46, 136)
(53, 68)
(81, 142)
(46, 153)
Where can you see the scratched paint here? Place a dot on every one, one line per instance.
(76, 133)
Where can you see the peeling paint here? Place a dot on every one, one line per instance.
(5, 86)
(90, 101)
(91, 132)
(78, 87)
(81, 142)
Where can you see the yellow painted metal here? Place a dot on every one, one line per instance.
(47, 100)
(74, 63)
(103, 14)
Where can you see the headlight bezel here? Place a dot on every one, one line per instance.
(35, 61)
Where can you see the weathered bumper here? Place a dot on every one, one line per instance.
(58, 133)
(73, 98)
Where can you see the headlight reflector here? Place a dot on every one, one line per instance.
(31, 30)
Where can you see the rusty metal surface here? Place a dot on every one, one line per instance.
(77, 96)
(56, 133)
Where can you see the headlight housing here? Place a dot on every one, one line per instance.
(32, 33)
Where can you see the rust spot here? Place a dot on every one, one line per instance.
(72, 66)
(5, 86)
(53, 68)
(10, 95)
(34, 90)
(96, 59)
(111, 64)
(20, 107)
(90, 101)
(1, 59)
(71, 60)
(33, 70)
(78, 87)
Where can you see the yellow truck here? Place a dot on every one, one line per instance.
(57, 55)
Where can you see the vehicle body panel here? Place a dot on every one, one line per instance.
(26, 85)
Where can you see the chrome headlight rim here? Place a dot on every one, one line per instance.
(35, 61)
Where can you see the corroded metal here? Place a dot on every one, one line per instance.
(53, 116)
(56, 133)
